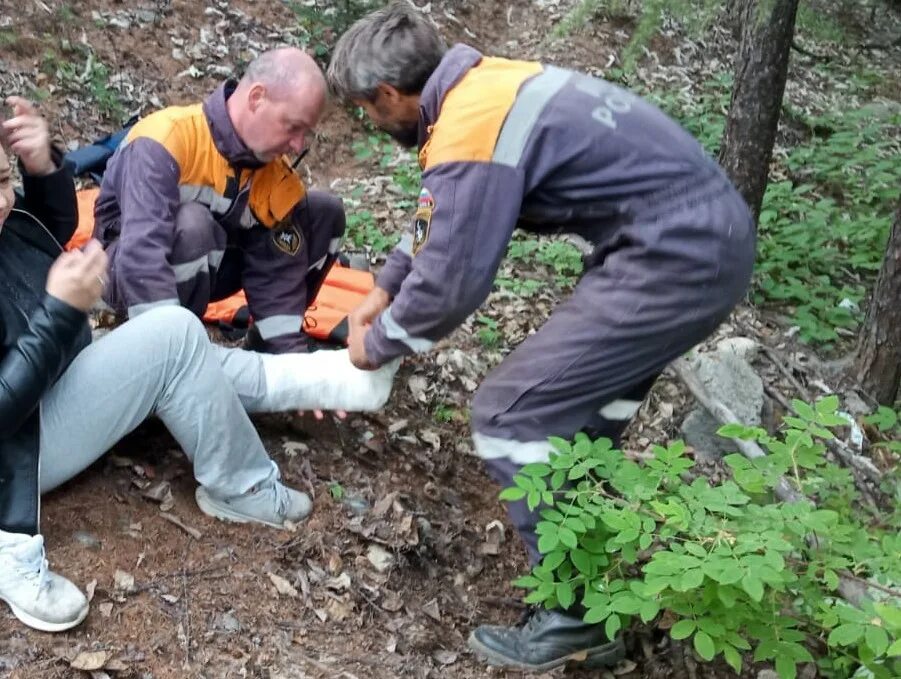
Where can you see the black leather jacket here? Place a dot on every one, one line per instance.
(39, 336)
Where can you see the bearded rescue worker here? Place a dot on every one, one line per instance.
(201, 201)
(513, 143)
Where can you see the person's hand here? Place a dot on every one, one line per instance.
(27, 136)
(356, 343)
(358, 323)
(372, 305)
(79, 276)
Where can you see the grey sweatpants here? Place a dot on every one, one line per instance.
(160, 363)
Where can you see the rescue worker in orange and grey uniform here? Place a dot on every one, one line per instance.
(506, 144)
(200, 201)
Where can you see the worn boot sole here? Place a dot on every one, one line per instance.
(222, 512)
(43, 625)
(605, 655)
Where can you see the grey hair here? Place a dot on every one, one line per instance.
(395, 45)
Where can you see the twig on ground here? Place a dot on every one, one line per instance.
(808, 53)
(171, 518)
(780, 364)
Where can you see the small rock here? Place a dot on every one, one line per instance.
(87, 540)
(743, 347)
(380, 558)
(227, 622)
(731, 380)
(356, 504)
(767, 674)
(124, 581)
(147, 16)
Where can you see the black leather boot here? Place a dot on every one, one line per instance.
(545, 640)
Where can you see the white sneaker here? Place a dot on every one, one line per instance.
(37, 596)
(270, 503)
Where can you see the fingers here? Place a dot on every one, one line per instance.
(319, 414)
(88, 265)
(21, 106)
(23, 127)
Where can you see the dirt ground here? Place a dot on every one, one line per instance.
(407, 548)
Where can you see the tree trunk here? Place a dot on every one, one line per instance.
(760, 71)
(879, 351)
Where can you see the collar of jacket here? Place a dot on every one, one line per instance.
(225, 137)
(454, 65)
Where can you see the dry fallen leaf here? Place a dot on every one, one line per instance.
(293, 448)
(431, 610)
(445, 657)
(282, 586)
(89, 660)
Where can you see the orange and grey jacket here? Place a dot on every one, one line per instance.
(514, 143)
(173, 156)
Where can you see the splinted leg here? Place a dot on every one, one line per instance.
(324, 380)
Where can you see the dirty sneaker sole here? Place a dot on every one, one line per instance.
(42, 625)
(224, 513)
(605, 655)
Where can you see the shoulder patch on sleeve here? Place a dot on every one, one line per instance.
(422, 221)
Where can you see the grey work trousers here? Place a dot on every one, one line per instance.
(675, 276)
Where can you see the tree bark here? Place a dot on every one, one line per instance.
(761, 68)
(878, 362)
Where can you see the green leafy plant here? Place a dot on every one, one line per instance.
(562, 259)
(323, 21)
(336, 490)
(363, 232)
(488, 334)
(648, 16)
(445, 413)
(822, 231)
(719, 563)
(92, 76)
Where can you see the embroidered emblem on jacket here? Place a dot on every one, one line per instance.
(422, 221)
(287, 239)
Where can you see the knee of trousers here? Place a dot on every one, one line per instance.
(327, 213)
(174, 325)
(196, 232)
(488, 405)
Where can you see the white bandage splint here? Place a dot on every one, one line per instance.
(324, 380)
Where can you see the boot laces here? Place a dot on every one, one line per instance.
(282, 500)
(35, 571)
(533, 618)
